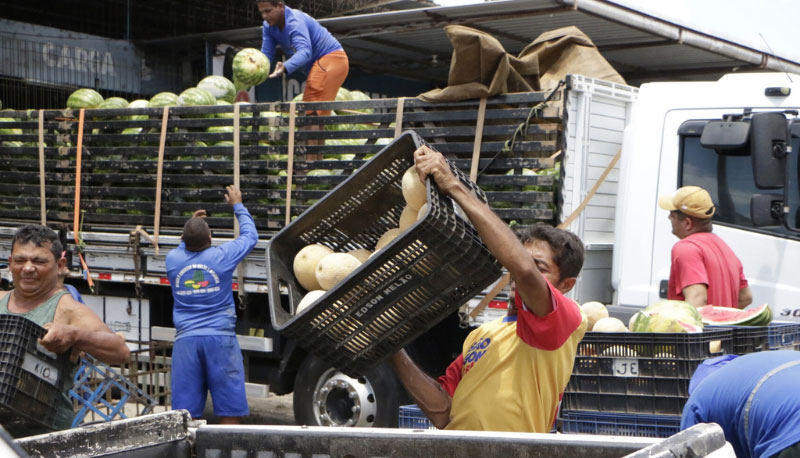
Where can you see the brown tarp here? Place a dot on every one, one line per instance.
(482, 68)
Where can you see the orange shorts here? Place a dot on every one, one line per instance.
(325, 78)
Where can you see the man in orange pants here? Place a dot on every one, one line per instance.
(311, 47)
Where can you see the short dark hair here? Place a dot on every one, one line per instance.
(195, 234)
(39, 236)
(567, 247)
(272, 2)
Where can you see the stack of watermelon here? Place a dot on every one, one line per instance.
(729, 316)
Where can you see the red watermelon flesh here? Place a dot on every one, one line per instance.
(756, 316)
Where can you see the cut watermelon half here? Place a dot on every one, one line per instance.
(729, 316)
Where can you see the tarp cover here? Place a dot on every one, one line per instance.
(482, 68)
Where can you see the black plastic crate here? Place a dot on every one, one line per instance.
(747, 339)
(634, 372)
(619, 424)
(782, 336)
(411, 284)
(31, 377)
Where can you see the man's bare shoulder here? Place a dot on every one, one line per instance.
(69, 310)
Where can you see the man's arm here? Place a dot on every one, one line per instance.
(696, 294)
(745, 297)
(429, 395)
(77, 327)
(237, 249)
(497, 236)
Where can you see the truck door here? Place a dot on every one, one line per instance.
(768, 254)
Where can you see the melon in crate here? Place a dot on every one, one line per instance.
(84, 98)
(164, 99)
(729, 316)
(220, 87)
(195, 96)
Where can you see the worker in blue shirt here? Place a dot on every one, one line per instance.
(312, 49)
(206, 355)
(754, 398)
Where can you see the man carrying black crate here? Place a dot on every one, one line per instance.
(206, 356)
(754, 398)
(35, 263)
(512, 371)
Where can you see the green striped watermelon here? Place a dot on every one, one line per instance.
(250, 67)
(139, 103)
(84, 98)
(220, 87)
(164, 99)
(195, 96)
(113, 102)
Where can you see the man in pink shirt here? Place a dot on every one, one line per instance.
(704, 271)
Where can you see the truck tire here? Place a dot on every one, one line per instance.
(324, 396)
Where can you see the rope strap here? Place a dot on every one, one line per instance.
(290, 164)
(42, 200)
(159, 174)
(236, 182)
(398, 116)
(476, 145)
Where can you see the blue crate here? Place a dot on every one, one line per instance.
(618, 424)
(412, 417)
(783, 336)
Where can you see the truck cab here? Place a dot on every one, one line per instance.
(663, 149)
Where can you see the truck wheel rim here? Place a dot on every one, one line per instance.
(340, 400)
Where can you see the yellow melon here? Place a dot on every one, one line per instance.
(594, 311)
(308, 299)
(387, 237)
(422, 211)
(413, 189)
(408, 217)
(334, 268)
(305, 265)
(361, 254)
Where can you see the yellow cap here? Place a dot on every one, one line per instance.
(691, 200)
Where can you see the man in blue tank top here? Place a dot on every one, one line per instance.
(35, 262)
(754, 398)
(206, 356)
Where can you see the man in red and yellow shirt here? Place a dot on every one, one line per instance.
(511, 372)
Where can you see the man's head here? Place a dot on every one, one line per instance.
(272, 12)
(35, 259)
(690, 210)
(558, 253)
(196, 234)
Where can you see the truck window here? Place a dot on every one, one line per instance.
(729, 179)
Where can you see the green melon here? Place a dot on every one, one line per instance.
(84, 98)
(250, 67)
(164, 99)
(195, 96)
(113, 102)
(220, 87)
(139, 103)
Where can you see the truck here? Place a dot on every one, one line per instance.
(539, 156)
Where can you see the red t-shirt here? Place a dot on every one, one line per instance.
(704, 258)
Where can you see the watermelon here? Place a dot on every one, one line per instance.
(113, 102)
(10, 130)
(224, 115)
(729, 316)
(220, 87)
(139, 103)
(84, 98)
(195, 96)
(667, 316)
(250, 67)
(164, 99)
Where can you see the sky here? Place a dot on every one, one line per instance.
(761, 24)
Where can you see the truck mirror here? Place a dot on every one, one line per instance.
(768, 140)
(726, 137)
(766, 209)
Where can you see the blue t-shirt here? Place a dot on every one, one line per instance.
(202, 282)
(302, 37)
(774, 414)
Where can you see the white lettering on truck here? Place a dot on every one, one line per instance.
(78, 59)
